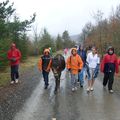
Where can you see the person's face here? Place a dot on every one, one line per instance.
(81, 48)
(13, 47)
(94, 51)
(110, 51)
(74, 52)
(46, 53)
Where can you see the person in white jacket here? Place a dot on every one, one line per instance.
(93, 61)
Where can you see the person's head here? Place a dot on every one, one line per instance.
(94, 50)
(74, 51)
(13, 46)
(46, 52)
(110, 50)
(81, 47)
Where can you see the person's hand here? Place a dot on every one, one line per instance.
(13, 59)
(69, 69)
(79, 70)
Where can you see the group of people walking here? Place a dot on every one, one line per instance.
(80, 64)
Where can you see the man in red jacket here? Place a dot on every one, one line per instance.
(14, 56)
(109, 66)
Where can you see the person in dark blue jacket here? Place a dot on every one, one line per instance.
(82, 53)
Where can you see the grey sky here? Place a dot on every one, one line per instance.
(60, 15)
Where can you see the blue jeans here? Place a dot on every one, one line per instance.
(81, 76)
(45, 76)
(74, 79)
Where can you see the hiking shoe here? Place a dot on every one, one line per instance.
(81, 86)
(88, 89)
(73, 89)
(16, 81)
(45, 87)
(91, 88)
(12, 82)
(111, 91)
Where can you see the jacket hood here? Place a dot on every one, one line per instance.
(110, 48)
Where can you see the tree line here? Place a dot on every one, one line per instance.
(13, 30)
(105, 32)
(45, 40)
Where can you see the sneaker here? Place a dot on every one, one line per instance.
(46, 86)
(81, 86)
(12, 82)
(73, 89)
(78, 82)
(91, 88)
(111, 91)
(16, 81)
(88, 89)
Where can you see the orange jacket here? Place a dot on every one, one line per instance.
(48, 67)
(74, 63)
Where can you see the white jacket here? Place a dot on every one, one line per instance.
(93, 60)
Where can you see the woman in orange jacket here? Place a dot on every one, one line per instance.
(44, 65)
(74, 65)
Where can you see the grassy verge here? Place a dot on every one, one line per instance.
(27, 64)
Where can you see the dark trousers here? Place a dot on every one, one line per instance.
(14, 72)
(45, 76)
(108, 78)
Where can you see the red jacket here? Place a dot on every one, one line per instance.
(118, 61)
(16, 54)
(109, 64)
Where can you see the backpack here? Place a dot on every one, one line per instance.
(58, 62)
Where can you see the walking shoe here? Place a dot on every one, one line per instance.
(16, 81)
(81, 86)
(12, 82)
(45, 87)
(91, 88)
(88, 89)
(73, 89)
(111, 91)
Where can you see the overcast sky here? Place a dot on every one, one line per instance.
(60, 15)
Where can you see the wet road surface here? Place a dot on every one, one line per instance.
(68, 105)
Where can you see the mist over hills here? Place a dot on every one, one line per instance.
(76, 38)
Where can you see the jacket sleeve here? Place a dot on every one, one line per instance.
(68, 63)
(18, 55)
(116, 65)
(87, 59)
(102, 64)
(40, 64)
(80, 62)
(49, 65)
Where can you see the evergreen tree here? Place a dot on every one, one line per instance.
(46, 41)
(59, 42)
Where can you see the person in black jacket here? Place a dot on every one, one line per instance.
(44, 65)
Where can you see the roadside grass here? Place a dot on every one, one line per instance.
(27, 64)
